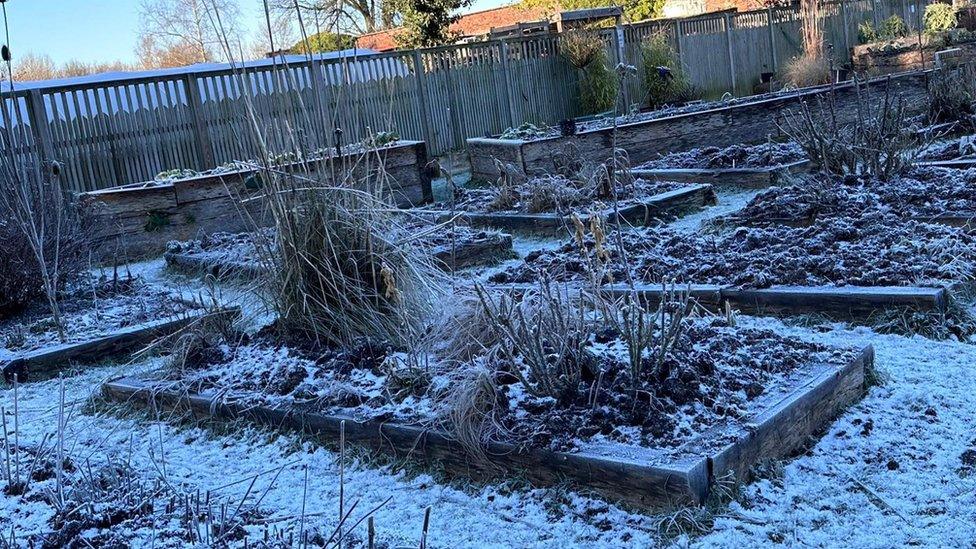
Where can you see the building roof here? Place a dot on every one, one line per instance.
(470, 24)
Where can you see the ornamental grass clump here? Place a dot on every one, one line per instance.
(344, 267)
(665, 80)
(598, 83)
(812, 67)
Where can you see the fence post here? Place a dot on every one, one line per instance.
(38, 121)
(204, 149)
(729, 47)
(772, 38)
(618, 43)
(679, 43)
(847, 31)
(420, 75)
(506, 84)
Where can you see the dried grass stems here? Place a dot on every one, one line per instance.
(880, 142)
(342, 266)
(952, 96)
(45, 237)
(812, 66)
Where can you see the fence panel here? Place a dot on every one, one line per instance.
(107, 133)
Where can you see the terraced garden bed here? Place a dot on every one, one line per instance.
(238, 255)
(744, 121)
(849, 267)
(547, 205)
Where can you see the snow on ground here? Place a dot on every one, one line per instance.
(729, 200)
(494, 516)
(897, 469)
(888, 473)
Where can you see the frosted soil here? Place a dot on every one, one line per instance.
(892, 471)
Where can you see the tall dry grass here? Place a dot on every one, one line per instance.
(812, 67)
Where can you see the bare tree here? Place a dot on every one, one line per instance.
(31, 66)
(182, 32)
(340, 16)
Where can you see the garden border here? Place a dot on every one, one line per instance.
(674, 202)
(494, 248)
(780, 425)
(138, 219)
(52, 359)
(959, 163)
(753, 178)
(840, 301)
(750, 120)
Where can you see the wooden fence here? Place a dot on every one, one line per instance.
(107, 133)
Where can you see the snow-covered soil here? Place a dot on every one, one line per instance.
(892, 471)
(93, 307)
(896, 469)
(736, 156)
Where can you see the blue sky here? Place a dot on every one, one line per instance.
(99, 30)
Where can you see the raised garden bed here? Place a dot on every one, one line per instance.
(235, 255)
(106, 318)
(677, 200)
(904, 54)
(773, 393)
(850, 302)
(746, 121)
(852, 268)
(753, 167)
(138, 220)
(927, 194)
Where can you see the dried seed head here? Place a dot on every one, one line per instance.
(5, 53)
(389, 282)
(580, 230)
(599, 237)
(55, 166)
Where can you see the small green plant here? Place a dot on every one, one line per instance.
(664, 77)
(892, 28)
(866, 33)
(598, 83)
(380, 139)
(525, 131)
(178, 173)
(938, 19)
(156, 221)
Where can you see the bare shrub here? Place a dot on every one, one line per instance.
(880, 141)
(543, 336)
(953, 95)
(550, 193)
(650, 332)
(44, 232)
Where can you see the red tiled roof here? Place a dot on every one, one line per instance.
(470, 24)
